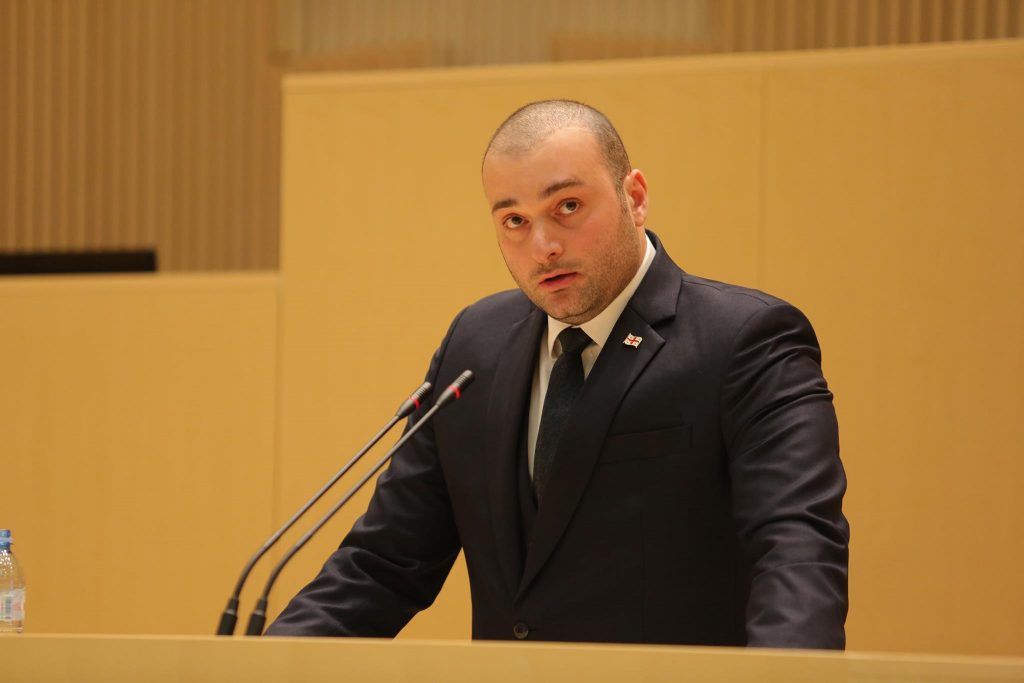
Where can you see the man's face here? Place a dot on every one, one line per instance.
(571, 237)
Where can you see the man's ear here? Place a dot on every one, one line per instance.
(634, 185)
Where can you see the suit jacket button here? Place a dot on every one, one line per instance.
(520, 630)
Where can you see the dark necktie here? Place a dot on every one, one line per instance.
(564, 387)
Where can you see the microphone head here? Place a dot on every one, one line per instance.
(413, 403)
(455, 389)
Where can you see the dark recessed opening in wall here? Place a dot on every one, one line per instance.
(65, 262)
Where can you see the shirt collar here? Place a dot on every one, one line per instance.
(599, 328)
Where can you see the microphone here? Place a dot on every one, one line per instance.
(230, 615)
(452, 393)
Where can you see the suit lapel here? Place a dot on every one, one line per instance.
(617, 368)
(506, 411)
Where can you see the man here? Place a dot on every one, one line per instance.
(646, 456)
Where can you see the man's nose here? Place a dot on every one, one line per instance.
(545, 244)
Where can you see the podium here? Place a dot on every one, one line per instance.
(202, 659)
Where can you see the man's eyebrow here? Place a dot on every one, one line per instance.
(503, 204)
(560, 185)
(545, 193)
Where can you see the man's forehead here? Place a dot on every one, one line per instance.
(526, 148)
(569, 157)
(516, 182)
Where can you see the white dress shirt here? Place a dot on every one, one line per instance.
(598, 329)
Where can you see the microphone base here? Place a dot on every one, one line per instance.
(228, 619)
(258, 619)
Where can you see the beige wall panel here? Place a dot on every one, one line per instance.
(386, 236)
(138, 422)
(893, 217)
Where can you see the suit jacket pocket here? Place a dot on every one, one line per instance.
(645, 445)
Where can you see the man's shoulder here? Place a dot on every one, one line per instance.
(505, 307)
(489, 320)
(481, 330)
(730, 307)
(705, 297)
(726, 296)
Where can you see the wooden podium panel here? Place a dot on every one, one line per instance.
(138, 423)
(159, 659)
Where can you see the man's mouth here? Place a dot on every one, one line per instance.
(557, 280)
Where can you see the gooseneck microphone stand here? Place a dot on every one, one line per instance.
(230, 615)
(453, 392)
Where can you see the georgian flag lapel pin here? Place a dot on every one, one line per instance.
(632, 340)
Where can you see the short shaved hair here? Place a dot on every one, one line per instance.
(533, 123)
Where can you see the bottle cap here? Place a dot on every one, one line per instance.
(5, 537)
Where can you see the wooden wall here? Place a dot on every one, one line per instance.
(138, 417)
(156, 428)
(128, 124)
(877, 190)
(468, 32)
(141, 124)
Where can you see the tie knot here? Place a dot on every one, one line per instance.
(573, 340)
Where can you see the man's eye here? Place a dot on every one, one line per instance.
(513, 222)
(569, 206)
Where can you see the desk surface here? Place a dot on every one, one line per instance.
(155, 659)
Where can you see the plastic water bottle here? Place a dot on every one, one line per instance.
(12, 588)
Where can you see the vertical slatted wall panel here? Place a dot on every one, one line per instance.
(365, 34)
(823, 24)
(8, 142)
(140, 124)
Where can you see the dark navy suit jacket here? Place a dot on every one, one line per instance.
(696, 496)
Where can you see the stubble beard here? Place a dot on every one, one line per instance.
(608, 277)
